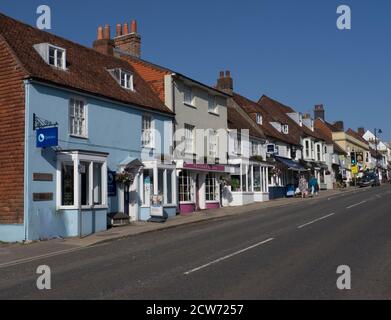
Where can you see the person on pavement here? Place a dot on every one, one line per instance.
(303, 186)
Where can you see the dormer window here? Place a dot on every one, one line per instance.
(285, 129)
(300, 119)
(259, 118)
(56, 57)
(123, 77)
(53, 55)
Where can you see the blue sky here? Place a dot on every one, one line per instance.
(289, 50)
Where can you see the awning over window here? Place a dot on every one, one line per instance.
(290, 164)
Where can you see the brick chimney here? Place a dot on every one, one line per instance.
(306, 116)
(225, 82)
(361, 131)
(319, 112)
(129, 42)
(103, 43)
(339, 126)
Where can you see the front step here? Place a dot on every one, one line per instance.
(118, 219)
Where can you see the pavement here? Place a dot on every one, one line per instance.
(287, 249)
(14, 253)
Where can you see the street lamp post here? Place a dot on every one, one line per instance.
(377, 131)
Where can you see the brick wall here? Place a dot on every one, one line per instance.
(11, 138)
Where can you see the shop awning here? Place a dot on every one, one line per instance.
(290, 164)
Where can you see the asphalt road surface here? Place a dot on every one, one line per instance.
(290, 252)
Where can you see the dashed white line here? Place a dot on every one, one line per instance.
(357, 204)
(316, 220)
(228, 256)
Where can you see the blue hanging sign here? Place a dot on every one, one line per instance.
(111, 184)
(47, 137)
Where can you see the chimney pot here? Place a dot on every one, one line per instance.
(221, 74)
(126, 28)
(134, 26)
(118, 32)
(100, 33)
(227, 73)
(107, 32)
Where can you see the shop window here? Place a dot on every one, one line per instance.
(67, 184)
(235, 183)
(85, 182)
(160, 184)
(97, 183)
(148, 186)
(169, 186)
(210, 188)
(257, 179)
(91, 179)
(185, 188)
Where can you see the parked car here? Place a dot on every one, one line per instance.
(369, 180)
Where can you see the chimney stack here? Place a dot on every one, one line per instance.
(118, 31)
(129, 42)
(225, 82)
(339, 126)
(103, 42)
(319, 112)
(361, 131)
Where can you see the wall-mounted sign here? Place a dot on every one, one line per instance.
(204, 167)
(111, 184)
(47, 137)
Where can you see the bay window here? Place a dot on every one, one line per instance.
(81, 180)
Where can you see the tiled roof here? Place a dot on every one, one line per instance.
(238, 119)
(354, 134)
(278, 112)
(154, 74)
(324, 130)
(252, 108)
(86, 68)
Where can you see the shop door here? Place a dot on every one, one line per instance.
(197, 204)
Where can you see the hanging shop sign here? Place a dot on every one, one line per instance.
(47, 137)
(111, 184)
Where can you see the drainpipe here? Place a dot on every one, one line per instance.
(26, 217)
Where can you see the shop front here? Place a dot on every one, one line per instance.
(199, 186)
(248, 183)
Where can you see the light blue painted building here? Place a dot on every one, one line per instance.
(109, 123)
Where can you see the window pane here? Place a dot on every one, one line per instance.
(161, 184)
(52, 56)
(148, 185)
(59, 60)
(85, 182)
(169, 186)
(77, 118)
(67, 191)
(97, 184)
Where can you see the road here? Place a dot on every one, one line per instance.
(289, 252)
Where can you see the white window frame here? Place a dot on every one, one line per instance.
(190, 187)
(128, 80)
(213, 143)
(76, 158)
(56, 50)
(188, 91)
(150, 132)
(285, 129)
(85, 113)
(212, 104)
(211, 188)
(259, 119)
(189, 138)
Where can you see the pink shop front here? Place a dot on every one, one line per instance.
(199, 186)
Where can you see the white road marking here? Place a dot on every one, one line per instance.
(357, 204)
(228, 256)
(319, 219)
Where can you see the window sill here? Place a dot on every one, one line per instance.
(83, 208)
(214, 113)
(78, 137)
(190, 105)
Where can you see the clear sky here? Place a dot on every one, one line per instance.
(289, 50)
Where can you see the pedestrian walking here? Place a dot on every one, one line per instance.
(314, 186)
(303, 184)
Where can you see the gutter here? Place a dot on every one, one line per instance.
(26, 218)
